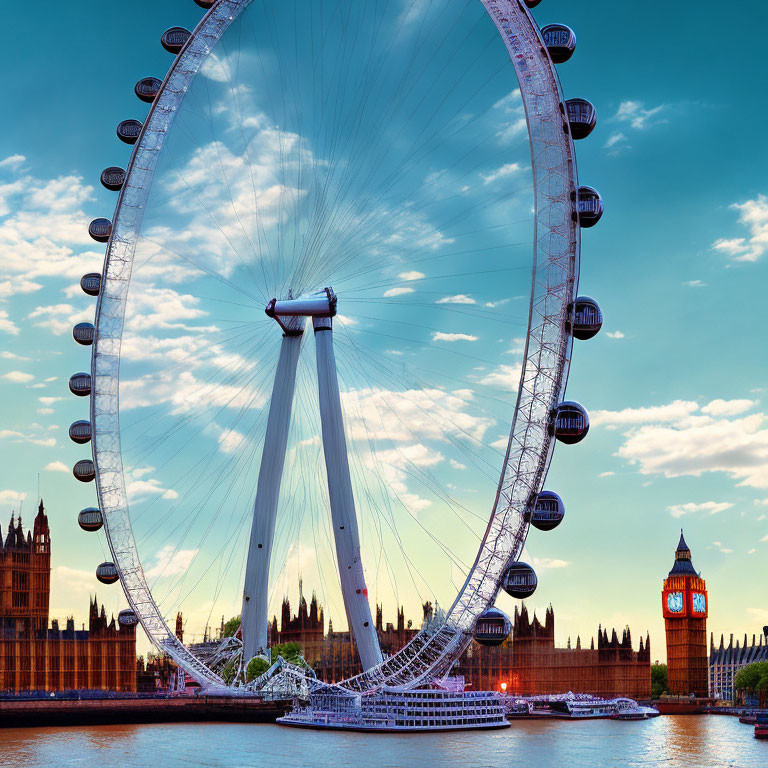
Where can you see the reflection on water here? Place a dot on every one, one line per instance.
(695, 742)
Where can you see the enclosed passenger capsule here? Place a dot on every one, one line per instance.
(90, 519)
(560, 41)
(548, 511)
(84, 471)
(590, 207)
(91, 283)
(127, 618)
(493, 627)
(80, 384)
(100, 230)
(128, 131)
(80, 432)
(587, 318)
(174, 39)
(147, 88)
(570, 423)
(107, 573)
(582, 117)
(82, 333)
(113, 178)
(519, 581)
(532, 3)
(205, 3)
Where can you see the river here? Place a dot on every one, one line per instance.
(676, 742)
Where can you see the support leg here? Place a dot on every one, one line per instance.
(255, 616)
(345, 528)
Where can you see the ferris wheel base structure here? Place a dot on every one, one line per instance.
(557, 315)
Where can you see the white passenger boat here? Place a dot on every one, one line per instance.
(402, 711)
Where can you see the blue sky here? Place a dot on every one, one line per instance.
(675, 383)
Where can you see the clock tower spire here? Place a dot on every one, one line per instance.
(684, 605)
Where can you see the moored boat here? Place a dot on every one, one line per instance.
(390, 710)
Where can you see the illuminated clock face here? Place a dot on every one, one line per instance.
(675, 602)
(699, 603)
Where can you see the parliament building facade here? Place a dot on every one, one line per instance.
(39, 657)
(528, 663)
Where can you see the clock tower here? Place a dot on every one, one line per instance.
(684, 603)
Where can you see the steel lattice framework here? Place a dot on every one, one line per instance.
(433, 651)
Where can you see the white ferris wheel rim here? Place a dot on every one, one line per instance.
(544, 374)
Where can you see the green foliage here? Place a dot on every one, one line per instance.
(232, 626)
(256, 667)
(659, 681)
(753, 678)
(291, 652)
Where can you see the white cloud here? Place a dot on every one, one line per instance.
(6, 324)
(675, 411)
(506, 377)
(397, 292)
(18, 376)
(138, 489)
(77, 585)
(457, 464)
(185, 393)
(48, 400)
(508, 169)
(56, 466)
(12, 497)
(635, 113)
(695, 284)
(549, 563)
(680, 439)
(606, 474)
(33, 436)
(513, 117)
(616, 141)
(711, 507)
(719, 545)
(440, 336)
(727, 407)
(17, 286)
(459, 298)
(171, 562)
(12, 161)
(753, 214)
(412, 275)
(59, 318)
(230, 440)
(615, 335)
(11, 356)
(411, 415)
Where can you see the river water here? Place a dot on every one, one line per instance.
(679, 741)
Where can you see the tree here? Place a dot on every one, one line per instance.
(256, 667)
(659, 681)
(232, 626)
(291, 652)
(753, 679)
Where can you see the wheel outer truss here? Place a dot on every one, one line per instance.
(110, 313)
(557, 244)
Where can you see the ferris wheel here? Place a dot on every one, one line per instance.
(360, 171)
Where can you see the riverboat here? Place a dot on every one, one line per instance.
(761, 725)
(393, 710)
(572, 706)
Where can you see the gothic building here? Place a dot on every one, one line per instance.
(684, 605)
(529, 663)
(34, 656)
